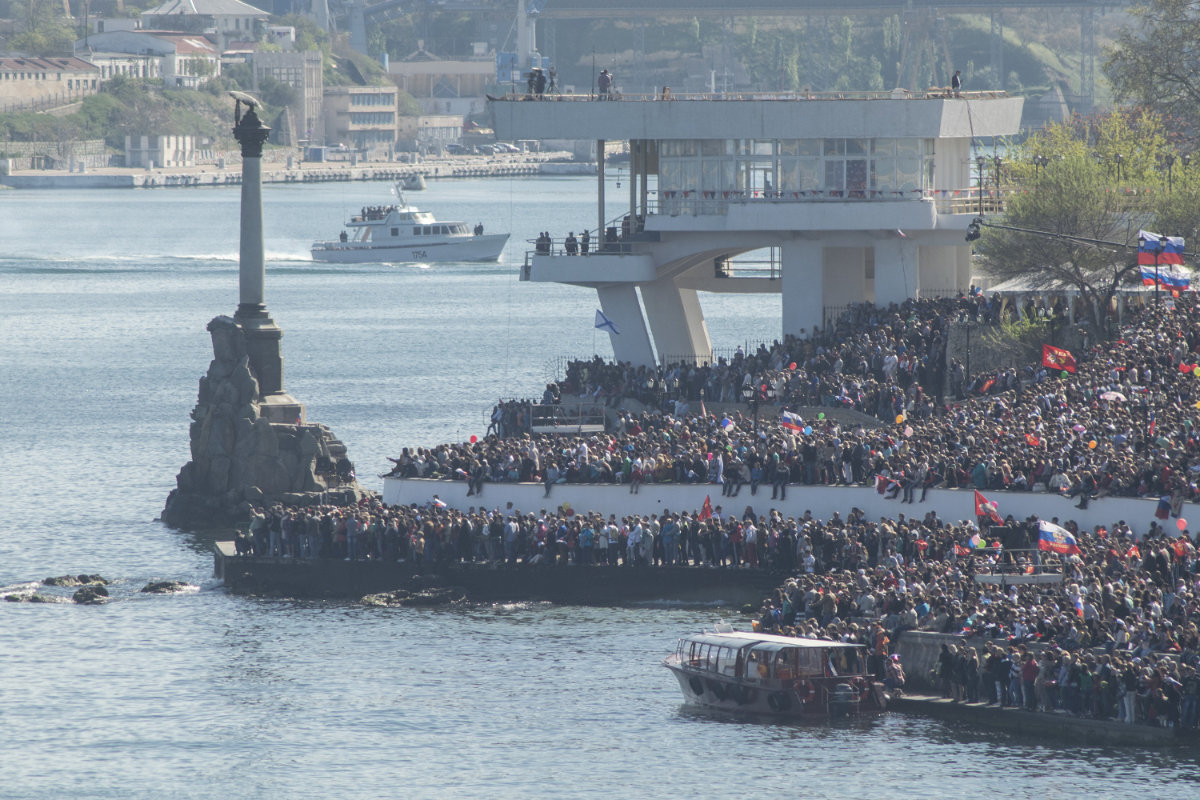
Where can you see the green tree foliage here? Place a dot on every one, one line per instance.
(1153, 61)
(1086, 181)
(1177, 204)
(47, 32)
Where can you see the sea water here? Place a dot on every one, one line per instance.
(104, 298)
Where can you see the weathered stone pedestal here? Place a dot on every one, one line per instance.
(249, 449)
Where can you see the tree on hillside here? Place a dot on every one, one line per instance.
(46, 31)
(1153, 62)
(1085, 182)
(1177, 205)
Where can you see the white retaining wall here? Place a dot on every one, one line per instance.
(951, 504)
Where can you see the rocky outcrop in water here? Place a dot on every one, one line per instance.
(441, 596)
(75, 580)
(29, 597)
(247, 449)
(165, 587)
(94, 594)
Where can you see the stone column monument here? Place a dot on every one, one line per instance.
(250, 442)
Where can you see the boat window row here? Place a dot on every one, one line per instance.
(795, 168)
(435, 230)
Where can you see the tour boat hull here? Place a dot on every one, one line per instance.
(469, 248)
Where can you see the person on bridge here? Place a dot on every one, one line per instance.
(604, 83)
(956, 83)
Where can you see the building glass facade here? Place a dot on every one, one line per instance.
(797, 168)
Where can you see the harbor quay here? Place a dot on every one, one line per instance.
(293, 170)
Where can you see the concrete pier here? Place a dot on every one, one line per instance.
(307, 172)
(573, 585)
(1057, 727)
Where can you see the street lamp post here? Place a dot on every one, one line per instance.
(1169, 160)
(755, 395)
(1039, 163)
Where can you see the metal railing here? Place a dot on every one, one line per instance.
(696, 203)
(54, 100)
(934, 93)
(560, 419)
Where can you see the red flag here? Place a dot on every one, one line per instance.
(1032, 440)
(1057, 358)
(986, 508)
(959, 550)
(705, 510)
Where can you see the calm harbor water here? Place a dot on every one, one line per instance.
(104, 297)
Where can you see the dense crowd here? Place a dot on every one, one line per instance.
(1117, 637)
(1121, 424)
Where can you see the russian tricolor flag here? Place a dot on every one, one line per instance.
(793, 422)
(1056, 539)
(1155, 249)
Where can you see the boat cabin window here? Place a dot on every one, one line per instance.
(758, 664)
(416, 230)
(809, 661)
(395, 231)
(714, 658)
(784, 668)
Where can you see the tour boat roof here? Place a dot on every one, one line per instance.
(747, 638)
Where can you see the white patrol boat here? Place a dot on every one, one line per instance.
(404, 233)
(779, 676)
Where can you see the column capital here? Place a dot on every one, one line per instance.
(251, 133)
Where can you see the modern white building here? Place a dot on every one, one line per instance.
(865, 197)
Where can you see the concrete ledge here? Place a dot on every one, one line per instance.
(1062, 728)
(595, 585)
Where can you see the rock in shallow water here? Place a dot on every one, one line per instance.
(93, 594)
(165, 587)
(440, 596)
(30, 597)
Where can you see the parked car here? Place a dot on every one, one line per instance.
(456, 149)
(505, 147)
(486, 149)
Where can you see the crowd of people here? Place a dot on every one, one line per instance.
(1120, 425)
(1116, 638)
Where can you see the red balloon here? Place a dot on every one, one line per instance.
(474, 438)
(792, 365)
(1181, 523)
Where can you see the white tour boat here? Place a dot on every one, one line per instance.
(780, 676)
(404, 233)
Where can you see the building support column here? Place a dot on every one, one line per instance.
(630, 342)
(897, 271)
(600, 194)
(803, 276)
(676, 321)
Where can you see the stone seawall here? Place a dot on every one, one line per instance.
(602, 586)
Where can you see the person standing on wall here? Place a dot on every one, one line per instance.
(604, 83)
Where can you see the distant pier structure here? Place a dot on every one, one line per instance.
(250, 442)
(864, 196)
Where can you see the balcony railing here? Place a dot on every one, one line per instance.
(690, 203)
(935, 93)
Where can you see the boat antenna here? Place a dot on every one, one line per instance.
(399, 192)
